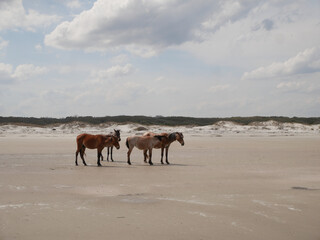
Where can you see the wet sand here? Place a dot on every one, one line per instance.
(214, 188)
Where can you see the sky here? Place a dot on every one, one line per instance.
(197, 58)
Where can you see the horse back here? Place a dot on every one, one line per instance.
(149, 134)
(93, 141)
(144, 142)
(159, 144)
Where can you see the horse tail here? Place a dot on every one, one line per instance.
(79, 141)
(127, 143)
(82, 151)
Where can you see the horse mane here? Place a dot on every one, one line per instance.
(172, 136)
(116, 133)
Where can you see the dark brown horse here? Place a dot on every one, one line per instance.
(143, 143)
(116, 133)
(94, 142)
(165, 144)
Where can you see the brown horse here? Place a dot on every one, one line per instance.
(143, 143)
(165, 144)
(94, 142)
(116, 133)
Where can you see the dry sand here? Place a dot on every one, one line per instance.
(215, 188)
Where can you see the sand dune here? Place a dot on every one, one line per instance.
(270, 128)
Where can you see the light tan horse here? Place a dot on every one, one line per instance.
(143, 143)
(94, 142)
(165, 144)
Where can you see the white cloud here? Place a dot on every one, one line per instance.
(309, 84)
(125, 93)
(229, 30)
(142, 27)
(260, 32)
(74, 4)
(5, 68)
(28, 71)
(21, 72)
(143, 51)
(291, 85)
(120, 59)
(5, 73)
(38, 47)
(117, 95)
(304, 62)
(160, 79)
(266, 24)
(115, 71)
(219, 88)
(229, 11)
(14, 16)
(3, 44)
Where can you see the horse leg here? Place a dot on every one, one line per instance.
(150, 156)
(145, 155)
(81, 155)
(79, 148)
(77, 152)
(111, 154)
(108, 154)
(99, 155)
(129, 152)
(162, 155)
(167, 150)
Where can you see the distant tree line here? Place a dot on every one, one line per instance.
(158, 120)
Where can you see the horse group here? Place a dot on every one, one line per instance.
(146, 142)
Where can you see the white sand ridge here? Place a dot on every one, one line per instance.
(222, 128)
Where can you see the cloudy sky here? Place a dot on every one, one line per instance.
(200, 58)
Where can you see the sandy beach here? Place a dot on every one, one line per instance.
(216, 187)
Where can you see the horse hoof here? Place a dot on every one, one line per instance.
(161, 162)
(168, 163)
(150, 163)
(129, 163)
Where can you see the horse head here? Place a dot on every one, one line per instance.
(117, 134)
(114, 141)
(179, 138)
